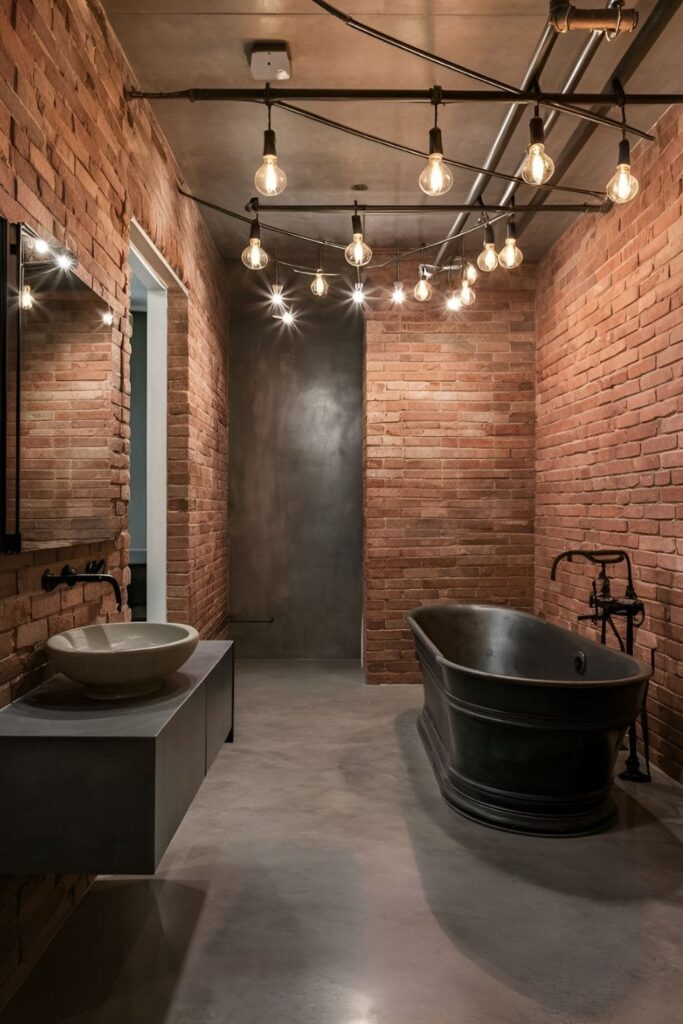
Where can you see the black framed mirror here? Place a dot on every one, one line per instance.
(59, 372)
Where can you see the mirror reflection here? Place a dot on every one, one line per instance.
(67, 360)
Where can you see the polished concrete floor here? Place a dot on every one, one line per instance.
(319, 879)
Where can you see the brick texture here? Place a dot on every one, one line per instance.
(77, 162)
(449, 459)
(610, 414)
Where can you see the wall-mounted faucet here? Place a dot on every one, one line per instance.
(93, 574)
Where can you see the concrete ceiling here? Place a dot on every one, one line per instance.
(177, 44)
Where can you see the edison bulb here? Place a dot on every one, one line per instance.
(270, 179)
(538, 168)
(436, 179)
(467, 294)
(26, 297)
(108, 318)
(622, 187)
(254, 257)
(358, 253)
(64, 261)
(423, 290)
(510, 256)
(470, 272)
(288, 318)
(454, 302)
(276, 296)
(398, 296)
(358, 294)
(488, 258)
(320, 285)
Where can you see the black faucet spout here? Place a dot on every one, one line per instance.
(71, 577)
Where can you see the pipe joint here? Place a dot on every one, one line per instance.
(565, 17)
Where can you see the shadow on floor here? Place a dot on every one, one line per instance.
(566, 922)
(137, 928)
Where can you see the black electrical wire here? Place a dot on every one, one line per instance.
(389, 144)
(459, 69)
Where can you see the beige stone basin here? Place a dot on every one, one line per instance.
(122, 659)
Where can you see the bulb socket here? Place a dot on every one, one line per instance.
(536, 130)
(356, 224)
(435, 141)
(255, 232)
(511, 229)
(269, 142)
(624, 152)
(489, 236)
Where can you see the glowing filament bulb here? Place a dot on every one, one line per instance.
(108, 318)
(320, 285)
(423, 289)
(487, 260)
(270, 179)
(65, 261)
(254, 257)
(470, 272)
(357, 252)
(26, 297)
(623, 187)
(398, 296)
(288, 318)
(436, 179)
(276, 297)
(454, 302)
(358, 294)
(510, 256)
(467, 293)
(538, 168)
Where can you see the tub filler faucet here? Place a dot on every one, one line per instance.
(605, 606)
(93, 574)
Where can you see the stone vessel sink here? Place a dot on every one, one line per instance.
(116, 660)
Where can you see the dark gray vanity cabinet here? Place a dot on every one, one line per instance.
(100, 788)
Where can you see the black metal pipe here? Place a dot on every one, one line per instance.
(565, 17)
(403, 96)
(380, 208)
(660, 17)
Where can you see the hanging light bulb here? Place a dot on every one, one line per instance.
(423, 289)
(454, 302)
(108, 318)
(467, 294)
(270, 179)
(288, 318)
(41, 247)
(320, 285)
(254, 257)
(26, 297)
(276, 297)
(357, 252)
(622, 186)
(487, 260)
(470, 272)
(358, 294)
(65, 261)
(436, 179)
(538, 168)
(510, 256)
(398, 296)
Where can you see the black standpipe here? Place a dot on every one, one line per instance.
(605, 607)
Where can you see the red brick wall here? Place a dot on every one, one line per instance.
(78, 162)
(449, 454)
(610, 414)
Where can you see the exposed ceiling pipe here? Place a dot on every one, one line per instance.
(568, 18)
(660, 16)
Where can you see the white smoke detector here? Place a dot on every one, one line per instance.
(269, 62)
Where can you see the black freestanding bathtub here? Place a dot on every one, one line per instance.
(522, 720)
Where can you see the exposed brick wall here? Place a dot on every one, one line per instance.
(78, 162)
(449, 454)
(610, 414)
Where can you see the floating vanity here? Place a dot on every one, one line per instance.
(101, 787)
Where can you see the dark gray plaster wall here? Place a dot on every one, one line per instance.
(295, 478)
